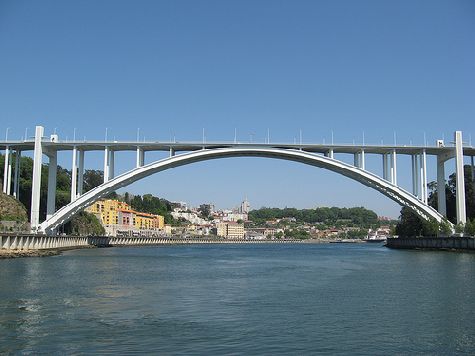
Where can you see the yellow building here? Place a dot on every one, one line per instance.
(114, 212)
(230, 230)
(148, 221)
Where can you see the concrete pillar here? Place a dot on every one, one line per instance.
(140, 157)
(330, 153)
(81, 172)
(414, 174)
(393, 168)
(51, 198)
(385, 166)
(74, 176)
(362, 160)
(172, 152)
(472, 170)
(36, 181)
(424, 177)
(460, 180)
(106, 164)
(9, 175)
(16, 177)
(111, 164)
(441, 197)
(5, 169)
(356, 160)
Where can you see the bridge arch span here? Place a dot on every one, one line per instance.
(369, 179)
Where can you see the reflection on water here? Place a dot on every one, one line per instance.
(258, 299)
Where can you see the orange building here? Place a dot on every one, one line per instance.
(114, 212)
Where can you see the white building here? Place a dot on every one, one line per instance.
(191, 217)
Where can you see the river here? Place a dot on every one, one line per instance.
(239, 299)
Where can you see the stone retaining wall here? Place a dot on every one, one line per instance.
(436, 243)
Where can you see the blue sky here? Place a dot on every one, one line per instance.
(173, 68)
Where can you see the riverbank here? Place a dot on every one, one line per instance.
(43, 246)
(28, 253)
(5, 254)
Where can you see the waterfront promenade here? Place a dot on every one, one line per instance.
(43, 242)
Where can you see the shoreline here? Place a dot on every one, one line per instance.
(8, 254)
(18, 253)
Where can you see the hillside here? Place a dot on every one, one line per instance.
(11, 209)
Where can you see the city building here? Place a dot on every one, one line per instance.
(188, 216)
(230, 230)
(118, 218)
(245, 207)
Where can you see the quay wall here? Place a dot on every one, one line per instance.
(433, 243)
(40, 242)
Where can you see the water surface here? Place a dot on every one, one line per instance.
(239, 299)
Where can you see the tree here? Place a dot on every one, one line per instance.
(410, 224)
(470, 227)
(92, 179)
(450, 192)
(205, 210)
(445, 228)
(85, 224)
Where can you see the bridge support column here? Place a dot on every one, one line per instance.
(36, 181)
(111, 164)
(393, 168)
(74, 175)
(9, 180)
(52, 170)
(472, 170)
(460, 180)
(356, 159)
(172, 152)
(16, 177)
(385, 166)
(80, 173)
(106, 164)
(359, 160)
(441, 198)
(6, 169)
(415, 176)
(140, 157)
(330, 153)
(423, 176)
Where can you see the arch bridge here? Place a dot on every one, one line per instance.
(317, 155)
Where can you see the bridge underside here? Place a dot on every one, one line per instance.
(369, 179)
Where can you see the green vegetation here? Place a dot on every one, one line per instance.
(331, 216)
(11, 209)
(296, 234)
(205, 211)
(85, 224)
(356, 234)
(450, 195)
(470, 227)
(149, 204)
(92, 178)
(411, 224)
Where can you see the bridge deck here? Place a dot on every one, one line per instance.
(196, 146)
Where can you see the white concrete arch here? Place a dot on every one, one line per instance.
(369, 179)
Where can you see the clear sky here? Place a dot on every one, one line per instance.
(175, 67)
